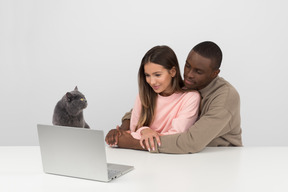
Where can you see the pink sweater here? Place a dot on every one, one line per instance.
(173, 114)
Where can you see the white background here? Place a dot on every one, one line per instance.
(49, 47)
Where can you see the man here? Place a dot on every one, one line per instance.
(219, 122)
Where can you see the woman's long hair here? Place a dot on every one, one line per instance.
(164, 56)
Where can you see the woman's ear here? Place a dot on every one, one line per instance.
(172, 72)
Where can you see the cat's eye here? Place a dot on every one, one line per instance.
(81, 99)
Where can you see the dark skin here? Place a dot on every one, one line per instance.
(112, 137)
(122, 138)
(199, 71)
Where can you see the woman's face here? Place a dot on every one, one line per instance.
(159, 78)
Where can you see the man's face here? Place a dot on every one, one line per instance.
(198, 71)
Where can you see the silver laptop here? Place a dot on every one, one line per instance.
(76, 152)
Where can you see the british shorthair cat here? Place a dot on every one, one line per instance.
(69, 110)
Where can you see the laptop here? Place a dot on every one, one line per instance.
(77, 152)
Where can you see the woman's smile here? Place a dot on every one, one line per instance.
(155, 87)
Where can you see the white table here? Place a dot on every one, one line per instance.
(214, 169)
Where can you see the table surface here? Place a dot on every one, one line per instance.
(213, 169)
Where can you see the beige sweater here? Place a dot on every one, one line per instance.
(219, 123)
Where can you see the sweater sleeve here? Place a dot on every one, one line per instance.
(187, 114)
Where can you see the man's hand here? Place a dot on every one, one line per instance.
(127, 141)
(147, 139)
(113, 135)
(123, 139)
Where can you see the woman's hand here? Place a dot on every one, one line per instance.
(147, 139)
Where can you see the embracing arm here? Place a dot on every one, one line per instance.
(112, 135)
(125, 140)
(219, 124)
(122, 137)
(127, 116)
(199, 135)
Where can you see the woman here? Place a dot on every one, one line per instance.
(162, 104)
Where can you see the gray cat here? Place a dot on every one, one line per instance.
(69, 110)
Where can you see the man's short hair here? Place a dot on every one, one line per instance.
(211, 51)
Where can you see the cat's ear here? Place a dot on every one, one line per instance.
(68, 96)
(76, 88)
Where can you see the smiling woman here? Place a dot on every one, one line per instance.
(164, 60)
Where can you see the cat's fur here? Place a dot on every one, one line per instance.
(69, 110)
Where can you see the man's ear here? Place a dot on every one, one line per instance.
(215, 73)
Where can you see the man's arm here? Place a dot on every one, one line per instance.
(112, 135)
(125, 140)
(198, 136)
(127, 116)
(121, 137)
(218, 126)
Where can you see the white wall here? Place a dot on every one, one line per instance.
(48, 47)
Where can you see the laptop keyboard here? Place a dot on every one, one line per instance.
(113, 173)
